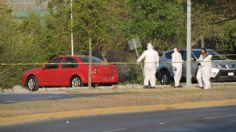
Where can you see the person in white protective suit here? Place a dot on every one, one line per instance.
(150, 64)
(204, 70)
(177, 62)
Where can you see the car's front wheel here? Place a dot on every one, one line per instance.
(165, 78)
(32, 83)
(76, 82)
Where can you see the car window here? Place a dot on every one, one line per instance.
(94, 59)
(197, 53)
(69, 63)
(53, 64)
(215, 55)
(184, 55)
(168, 55)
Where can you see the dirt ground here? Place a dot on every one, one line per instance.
(127, 97)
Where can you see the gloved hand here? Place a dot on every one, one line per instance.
(137, 62)
(157, 66)
(174, 68)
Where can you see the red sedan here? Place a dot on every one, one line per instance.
(69, 71)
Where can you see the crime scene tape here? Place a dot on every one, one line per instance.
(117, 63)
(111, 63)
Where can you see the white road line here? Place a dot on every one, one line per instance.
(215, 117)
(10, 101)
(218, 109)
(49, 97)
(116, 130)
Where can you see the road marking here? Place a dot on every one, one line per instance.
(116, 130)
(215, 117)
(9, 101)
(49, 97)
(220, 109)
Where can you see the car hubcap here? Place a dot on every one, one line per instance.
(31, 84)
(164, 79)
(75, 82)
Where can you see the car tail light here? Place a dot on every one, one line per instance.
(114, 70)
(94, 71)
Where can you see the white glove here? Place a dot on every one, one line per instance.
(137, 62)
(174, 68)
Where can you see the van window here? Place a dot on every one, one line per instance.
(168, 55)
(197, 53)
(215, 55)
(184, 55)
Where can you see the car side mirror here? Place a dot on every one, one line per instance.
(43, 67)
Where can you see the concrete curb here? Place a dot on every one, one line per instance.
(115, 110)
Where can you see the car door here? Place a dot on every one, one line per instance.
(195, 56)
(49, 74)
(184, 66)
(68, 69)
(193, 64)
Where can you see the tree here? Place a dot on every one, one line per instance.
(7, 30)
(202, 25)
(161, 21)
(18, 44)
(224, 9)
(8, 45)
(99, 20)
(212, 22)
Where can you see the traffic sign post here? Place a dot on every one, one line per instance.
(134, 43)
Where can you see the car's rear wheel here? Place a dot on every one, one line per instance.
(165, 78)
(32, 83)
(76, 82)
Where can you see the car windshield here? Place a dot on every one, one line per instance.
(215, 55)
(94, 59)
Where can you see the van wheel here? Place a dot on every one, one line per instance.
(165, 78)
(32, 83)
(76, 82)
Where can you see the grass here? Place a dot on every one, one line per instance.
(129, 97)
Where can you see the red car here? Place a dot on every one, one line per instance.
(69, 71)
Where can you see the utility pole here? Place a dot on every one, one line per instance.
(189, 45)
(90, 64)
(71, 28)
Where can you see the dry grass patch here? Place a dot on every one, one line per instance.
(130, 97)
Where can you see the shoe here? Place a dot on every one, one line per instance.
(206, 88)
(200, 87)
(180, 86)
(145, 87)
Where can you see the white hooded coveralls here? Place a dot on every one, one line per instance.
(151, 62)
(204, 72)
(177, 62)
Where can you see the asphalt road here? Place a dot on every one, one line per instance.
(14, 98)
(218, 119)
